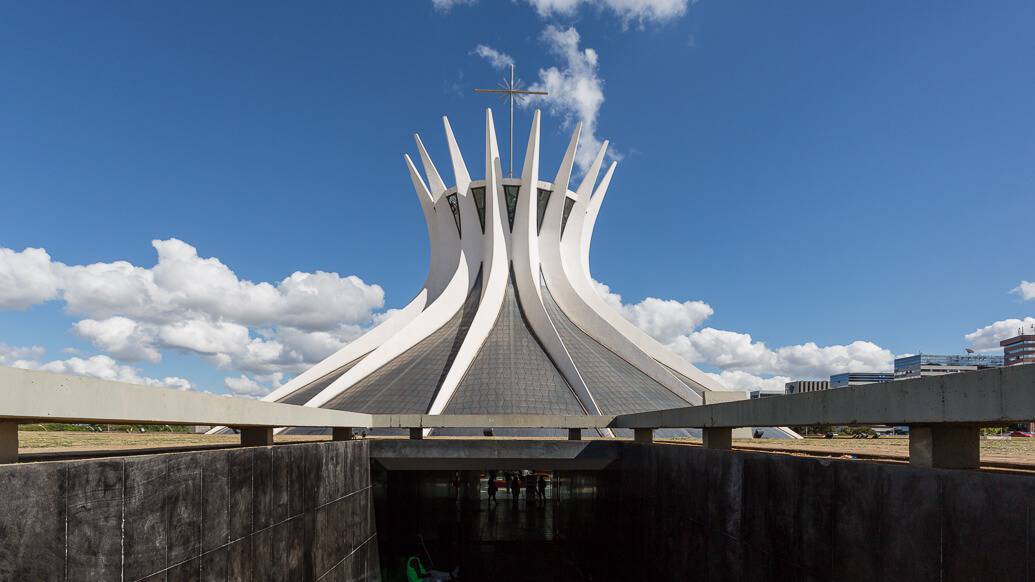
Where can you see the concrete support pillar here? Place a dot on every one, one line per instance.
(417, 434)
(257, 436)
(8, 442)
(643, 435)
(945, 446)
(574, 434)
(341, 434)
(718, 438)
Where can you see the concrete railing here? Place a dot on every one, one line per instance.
(28, 396)
(944, 413)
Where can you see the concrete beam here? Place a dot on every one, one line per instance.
(574, 434)
(341, 434)
(985, 397)
(257, 436)
(945, 446)
(503, 454)
(717, 438)
(489, 421)
(8, 442)
(49, 397)
(643, 435)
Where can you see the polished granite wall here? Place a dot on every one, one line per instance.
(289, 512)
(686, 513)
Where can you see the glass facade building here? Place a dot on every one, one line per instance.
(1018, 350)
(922, 365)
(857, 378)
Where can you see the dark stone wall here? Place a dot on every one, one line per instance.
(289, 512)
(687, 513)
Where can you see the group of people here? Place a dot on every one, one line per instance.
(535, 488)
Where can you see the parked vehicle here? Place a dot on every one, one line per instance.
(1021, 433)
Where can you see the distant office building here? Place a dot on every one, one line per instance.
(802, 386)
(922, 365)
(1018, 350)
(856, 378)
(764, 394)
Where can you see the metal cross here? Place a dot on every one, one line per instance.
(511, 90)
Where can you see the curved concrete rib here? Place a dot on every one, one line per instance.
(370, 341)
(449, 283)
(575, 260)
(580, 313)
(495, 272)
(471, 232)
(525, 240)
(435, 183)
(445, 240)
(430, 320)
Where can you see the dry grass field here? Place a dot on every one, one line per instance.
(58, 441)
(1013, 450)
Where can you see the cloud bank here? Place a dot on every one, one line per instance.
(195, 305)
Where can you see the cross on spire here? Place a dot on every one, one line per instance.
(511, 90)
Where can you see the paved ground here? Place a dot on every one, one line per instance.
(1012, 450)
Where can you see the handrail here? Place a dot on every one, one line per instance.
(990, 397)
(943, 412)
(32, 396)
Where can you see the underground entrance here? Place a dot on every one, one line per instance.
(447, 521)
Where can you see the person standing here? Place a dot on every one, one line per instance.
(541, 489)
(515, 489)
(492, 487)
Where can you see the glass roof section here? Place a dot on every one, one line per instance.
(542, 201)
(454, 206)
(568, 204)
(617, 386)
(479, 203)
(408, 383)
(306, 393)
(511, 373)
(511, 193)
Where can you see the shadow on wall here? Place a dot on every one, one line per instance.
(290, 512)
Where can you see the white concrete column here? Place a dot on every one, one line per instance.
(341, 434)
(257, 436)
(945, 446)
(718, 438)
(643, 435)
(8, 442)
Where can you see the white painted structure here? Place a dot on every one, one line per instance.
(508, 321)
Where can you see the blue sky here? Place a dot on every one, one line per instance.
(812, 171)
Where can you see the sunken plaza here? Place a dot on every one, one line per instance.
(509, 424)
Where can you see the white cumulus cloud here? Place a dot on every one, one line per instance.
(988, 337)
(628, 11)
(253, 386)
(744, 363)
(1026, 290)
(192, 304)
(121, 337)
(99, 366)
(575, 90)
(447, 5)
(19, 357)
(740, 380)
(664, 319)
(498, 60)
(26, 278)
